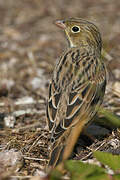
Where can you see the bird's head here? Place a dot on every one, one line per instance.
(80, 32)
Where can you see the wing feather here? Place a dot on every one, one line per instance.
(91, 97)
(80, 100)
(52, 103)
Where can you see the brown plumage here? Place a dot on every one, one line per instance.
(77, 87)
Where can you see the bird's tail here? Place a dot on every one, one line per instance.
(63, 149)
(56, 155)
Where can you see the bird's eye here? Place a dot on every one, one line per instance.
(75, 29)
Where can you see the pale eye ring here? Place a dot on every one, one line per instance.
(75, 29)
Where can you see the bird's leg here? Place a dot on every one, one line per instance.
(71, 141)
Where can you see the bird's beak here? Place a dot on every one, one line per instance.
(61, 24)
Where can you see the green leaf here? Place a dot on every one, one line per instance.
(113, 161)
(116, 177)
(110, 117)
(85, 171)
(55, 175)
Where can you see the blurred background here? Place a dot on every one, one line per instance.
(30, 43)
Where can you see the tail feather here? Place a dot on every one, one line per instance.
(56, 156)
(63, 149)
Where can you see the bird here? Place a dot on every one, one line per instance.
(76, 89)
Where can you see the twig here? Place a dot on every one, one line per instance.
(35, 159)
(21, 177)
(34, 143)
(92, 150)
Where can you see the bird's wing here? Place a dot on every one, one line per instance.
(83, 99)
(52, 104)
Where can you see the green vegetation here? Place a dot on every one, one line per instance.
(78, 170)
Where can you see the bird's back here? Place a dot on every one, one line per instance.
(76, 85)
